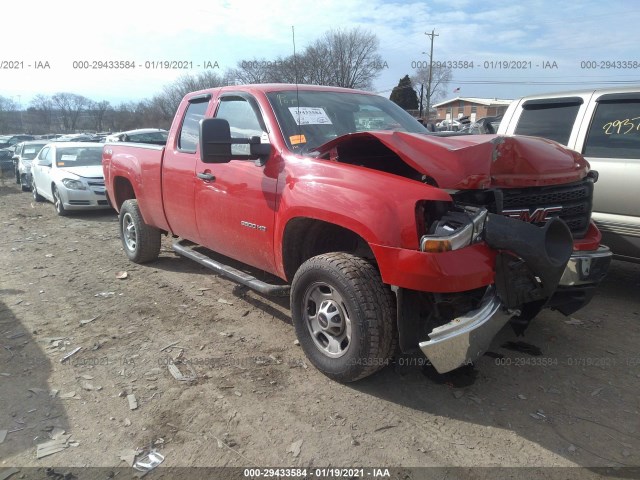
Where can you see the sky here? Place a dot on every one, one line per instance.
(557, 45)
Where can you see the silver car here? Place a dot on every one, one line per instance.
(69, 174)
(23, 155)
(603, 125)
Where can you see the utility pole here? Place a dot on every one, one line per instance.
(431, 36)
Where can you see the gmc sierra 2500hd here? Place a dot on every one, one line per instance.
(386, 237)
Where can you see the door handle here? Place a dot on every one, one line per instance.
(208, 177)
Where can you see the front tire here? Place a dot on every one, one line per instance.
(141, 242)
(344, 316)
(57, 202)
(23, 183)
(36, 196)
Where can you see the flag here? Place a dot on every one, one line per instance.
(456, 90)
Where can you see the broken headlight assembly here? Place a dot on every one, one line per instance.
(459, 227)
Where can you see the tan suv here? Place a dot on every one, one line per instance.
(603, 125)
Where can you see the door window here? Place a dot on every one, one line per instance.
(243, 121)
(615, 130)
(190, 131)
(552, 119)
(42, 156)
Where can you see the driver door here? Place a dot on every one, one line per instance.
(235, 201)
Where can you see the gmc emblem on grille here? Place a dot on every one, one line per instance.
(539, 215)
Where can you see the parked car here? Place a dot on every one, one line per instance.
(153, 136)
(6, 159)
(603, 125)
(485, 125)
(9, 140)
(23, 155)
(70, 175)
(49, 136)
(389, 238)
(78, 137)
(449, 125)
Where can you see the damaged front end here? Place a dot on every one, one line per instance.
(531, 262)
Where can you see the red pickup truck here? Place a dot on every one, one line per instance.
(385, 237)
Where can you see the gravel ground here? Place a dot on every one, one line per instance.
(567, 397)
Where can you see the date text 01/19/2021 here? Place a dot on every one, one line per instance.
(330, 472)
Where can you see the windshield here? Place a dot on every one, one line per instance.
(309, 119)
(78, 156)
(30, 151)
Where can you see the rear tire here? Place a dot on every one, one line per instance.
(141, 242)
(344, 316)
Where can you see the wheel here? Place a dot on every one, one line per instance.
(141, 242)
(17, 176)
(344, 316)
(57, 202)
(36, 196)
(23, 183)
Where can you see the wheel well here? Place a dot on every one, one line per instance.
(122, 190)
(307, 237)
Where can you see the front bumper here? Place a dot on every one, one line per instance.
(586, 268)
(466, 338)
(94, 198)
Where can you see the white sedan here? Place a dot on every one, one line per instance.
(70, 175)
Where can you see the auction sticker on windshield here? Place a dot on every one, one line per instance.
(310, 116)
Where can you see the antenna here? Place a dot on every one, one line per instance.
(295, 70)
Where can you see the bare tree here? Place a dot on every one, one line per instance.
(69, 105)
(342, 58)
(173, 93)
(97, 112)
(9, 116)
(440, 79)
(41, 107)
(352, 57)
(255, 71)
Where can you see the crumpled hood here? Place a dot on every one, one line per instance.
(480, 161)
(90, 171)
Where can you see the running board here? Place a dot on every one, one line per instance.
(230, 272)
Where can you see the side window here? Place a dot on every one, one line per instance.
(50, 155)
(42, 156)
(190, 131)
(614, 130)
(553, 120)
(242, 119)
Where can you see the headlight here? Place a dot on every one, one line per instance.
(456, 229)
(72, 184)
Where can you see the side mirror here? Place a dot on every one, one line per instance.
(216, 141)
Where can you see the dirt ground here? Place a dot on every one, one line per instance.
(255, 400)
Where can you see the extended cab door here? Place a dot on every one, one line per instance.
(236, 201)
(179, 180)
